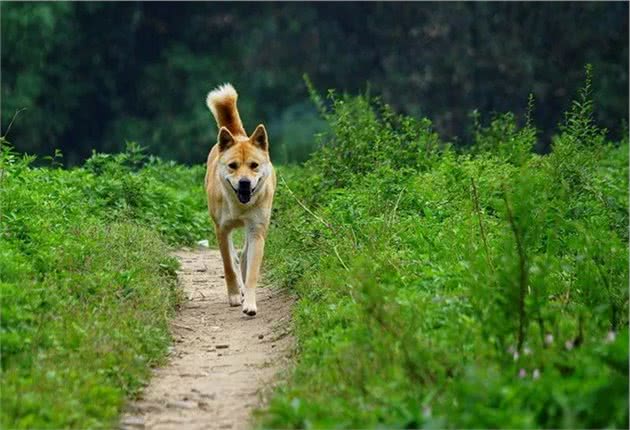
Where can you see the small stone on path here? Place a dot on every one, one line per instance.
(133, 421)
(181, 404)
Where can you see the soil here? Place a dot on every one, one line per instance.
(222, 364)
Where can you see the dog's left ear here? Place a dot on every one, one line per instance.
(225, 139)
(259, 137)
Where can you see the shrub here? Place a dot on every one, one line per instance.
(86, 281)
(472, 289)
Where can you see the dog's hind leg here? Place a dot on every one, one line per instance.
(244, 261)
(236, 263)
(232, 277)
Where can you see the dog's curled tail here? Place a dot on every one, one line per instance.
(222, 103)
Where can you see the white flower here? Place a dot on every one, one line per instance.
(548, 339)
(610, 337)
(568, 345)
(536, 374)
(426, 411)
(527, 351)
(515, 355)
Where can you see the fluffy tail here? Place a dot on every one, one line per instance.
(222, 104)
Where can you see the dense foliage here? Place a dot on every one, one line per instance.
(91, 74)
(446, 289)
(86, 282)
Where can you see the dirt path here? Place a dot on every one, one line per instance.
(222, 361)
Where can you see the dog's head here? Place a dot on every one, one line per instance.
(244, 163)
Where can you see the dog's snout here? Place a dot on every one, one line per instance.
(245, 184)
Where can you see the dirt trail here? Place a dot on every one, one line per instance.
(222, 361)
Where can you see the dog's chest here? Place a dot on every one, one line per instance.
(233, 215)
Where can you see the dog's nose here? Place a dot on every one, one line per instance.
(245, 184)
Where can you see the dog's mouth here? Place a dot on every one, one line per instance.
(244, 195)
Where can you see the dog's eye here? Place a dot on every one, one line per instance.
(233, 166)
(253, 165)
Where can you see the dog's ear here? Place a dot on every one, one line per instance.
(225, 139)
(259, 137)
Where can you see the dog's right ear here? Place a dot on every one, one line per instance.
(225, 139)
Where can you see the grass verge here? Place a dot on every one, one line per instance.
(86, 282)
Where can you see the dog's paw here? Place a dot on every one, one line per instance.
(249, 309)
(235, 299)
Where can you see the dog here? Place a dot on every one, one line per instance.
(240, 184)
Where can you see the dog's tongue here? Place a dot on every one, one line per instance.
(244, 197)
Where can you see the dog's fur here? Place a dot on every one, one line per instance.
(240, 184)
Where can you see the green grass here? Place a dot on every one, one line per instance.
(87, 284)
(484, 287)
(477, 288)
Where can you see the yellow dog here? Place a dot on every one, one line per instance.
(240, 183)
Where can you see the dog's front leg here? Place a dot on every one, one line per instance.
(231, 277)
(255, 249)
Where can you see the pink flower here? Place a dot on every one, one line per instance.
(522, 373)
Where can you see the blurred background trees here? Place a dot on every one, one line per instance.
(92, 75)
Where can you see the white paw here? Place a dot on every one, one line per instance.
(249, 303)
(249, 309)
(235, 299)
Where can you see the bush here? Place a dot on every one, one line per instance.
(86, 282)
(472, 289)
